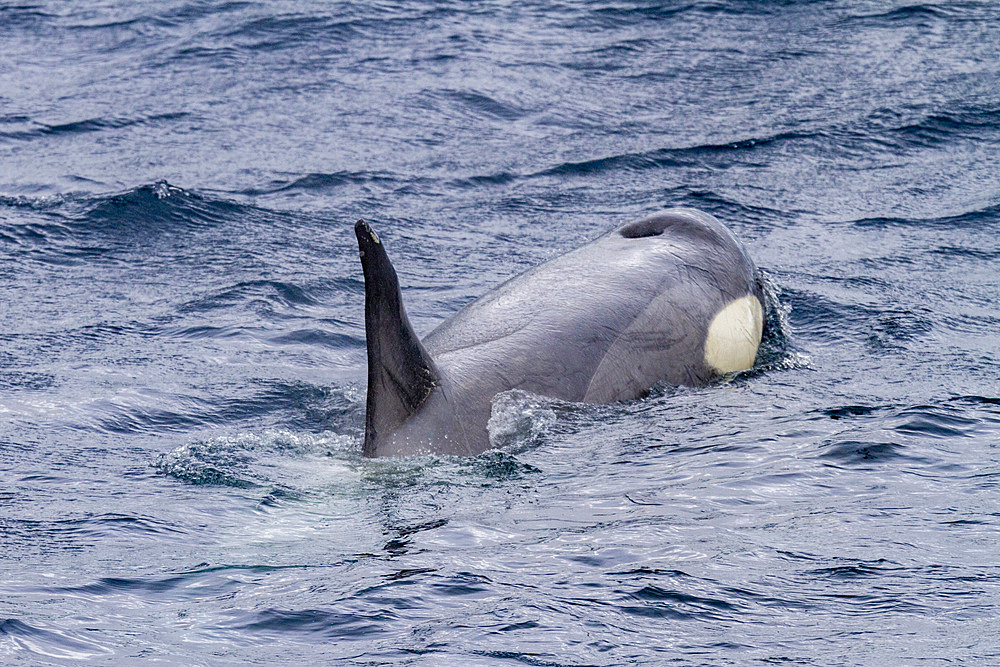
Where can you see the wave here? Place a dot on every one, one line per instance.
(320, 622)
(320, 182)
(659, 602)
(974, 218)
(881, 329)
(728, 209)
(922, 16)
(864, 452)
(21, 16)
(299, 309)
(157, 208)
(670, 157)
(77, 529)
(83, 126)
(300, 405)
(855, 569)
(933, 421)
(979, 400)
(644, 161)
(631, 14)
(821, 318)
(470, 104)
(910, 129)
(881, 133)
(50, 642)
(290, 31)
(278, 292)
(73, 228)
(875, 435)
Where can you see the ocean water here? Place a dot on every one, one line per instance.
(182, 356)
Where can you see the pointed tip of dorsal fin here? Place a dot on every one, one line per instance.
(401, 375)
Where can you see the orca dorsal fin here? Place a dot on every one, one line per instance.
(401, 375)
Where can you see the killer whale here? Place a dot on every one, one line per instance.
(671, 298)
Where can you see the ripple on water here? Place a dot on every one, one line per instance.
(50, 642)
(327, 623)
(149, 412)
(866, 452)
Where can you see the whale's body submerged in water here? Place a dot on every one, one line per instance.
(671, 298)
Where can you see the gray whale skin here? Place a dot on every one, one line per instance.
(670, 298)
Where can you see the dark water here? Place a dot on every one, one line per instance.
(182, 358)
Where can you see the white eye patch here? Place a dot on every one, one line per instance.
(734, 335)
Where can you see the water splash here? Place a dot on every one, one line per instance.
(519, 420)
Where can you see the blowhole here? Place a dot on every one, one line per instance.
(643, 228)
(678, 224)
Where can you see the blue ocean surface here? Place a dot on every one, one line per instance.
(182, 344)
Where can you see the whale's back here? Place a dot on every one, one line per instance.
(607, 321)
